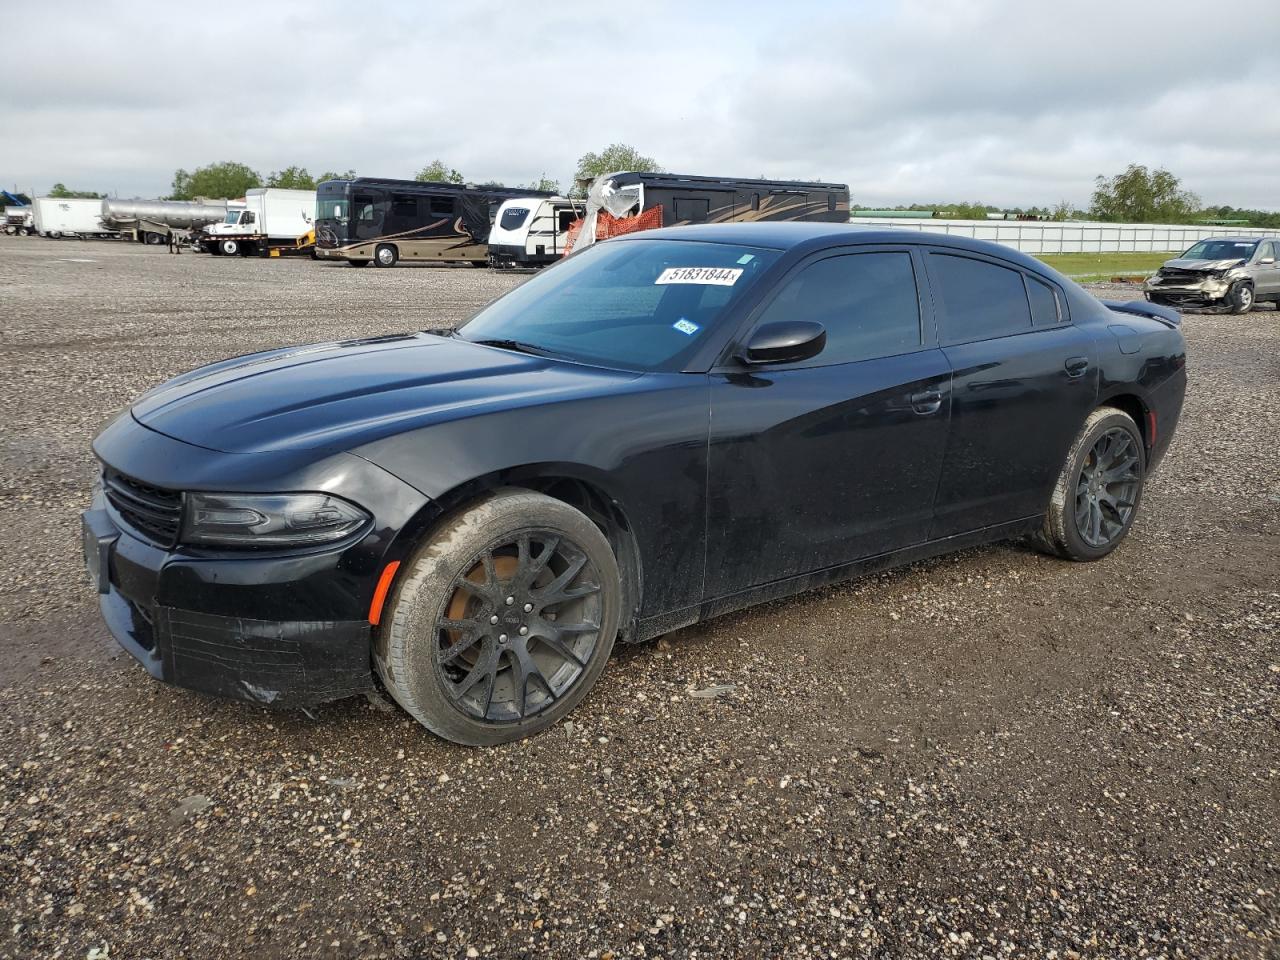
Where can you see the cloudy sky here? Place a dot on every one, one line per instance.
(1009, 103)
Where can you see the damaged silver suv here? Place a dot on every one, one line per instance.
(1230, 272)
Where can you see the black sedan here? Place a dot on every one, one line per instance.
(663, 428)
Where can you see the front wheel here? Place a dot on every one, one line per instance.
(1098, 492)
(1240, 298)
(385, 256)
(502, 621)
(229, 248)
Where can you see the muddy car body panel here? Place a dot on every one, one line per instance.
(1211, 270)
(725, 483)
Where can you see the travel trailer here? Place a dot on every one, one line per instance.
(270, 221)
(372, 220)
(687, 199)
(531, 231)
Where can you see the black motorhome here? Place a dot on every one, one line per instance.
(688, 199)
(379, 221)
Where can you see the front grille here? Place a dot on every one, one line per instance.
(151, 511)
(1182, 277)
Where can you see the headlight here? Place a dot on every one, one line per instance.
(268, 520)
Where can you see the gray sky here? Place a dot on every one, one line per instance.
(1009, 103)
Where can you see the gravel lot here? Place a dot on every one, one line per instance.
(992, 754)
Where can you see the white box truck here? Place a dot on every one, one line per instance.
(57, 217)
(272, 221)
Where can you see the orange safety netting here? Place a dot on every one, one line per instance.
(608, 226)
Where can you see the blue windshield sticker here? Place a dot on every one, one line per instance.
(687, 327)
(746, 258)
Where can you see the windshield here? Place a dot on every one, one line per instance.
(331, 209)
(233, 216)
(634, 304)
(513, 218)
(1221, 250)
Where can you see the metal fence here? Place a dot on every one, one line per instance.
(1037, 236)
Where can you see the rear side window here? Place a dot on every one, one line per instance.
(442, 206)
(404, 208)
(866, 301)
(1045, 311)
(980, 300)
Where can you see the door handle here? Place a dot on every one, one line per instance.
(926, 401)
(1076, 366)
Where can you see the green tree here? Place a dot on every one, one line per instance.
(543, 184)
(1062, 210)
(292, 178)
(61, 192)
(615, 158)
(330, 175)
(437, 172)
(1140, 195)
(217, 181)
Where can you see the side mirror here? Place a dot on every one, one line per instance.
(785, 342)
(1267, 260)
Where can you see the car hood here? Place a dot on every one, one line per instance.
(336, 396)
(1205, 265)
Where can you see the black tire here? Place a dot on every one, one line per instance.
(357, 263)
(1240, 297)
(485, 568)
(152, 239)
(385, 255)
(1093, 505)
(229, 247)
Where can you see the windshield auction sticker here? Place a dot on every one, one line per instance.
(717, 276)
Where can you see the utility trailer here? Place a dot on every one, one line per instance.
(59, 217)
(532, 231)
(272, 221)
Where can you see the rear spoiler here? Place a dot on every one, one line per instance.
(1141, 308)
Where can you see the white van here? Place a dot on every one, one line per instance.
(531, 231)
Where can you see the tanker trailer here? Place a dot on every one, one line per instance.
(149, 221)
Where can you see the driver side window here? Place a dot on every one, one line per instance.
(867, 303)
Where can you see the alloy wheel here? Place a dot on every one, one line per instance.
(1107, 489)
(519, 628)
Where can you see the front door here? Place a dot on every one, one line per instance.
(835, 458)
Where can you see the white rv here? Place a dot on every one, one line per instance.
(531, 231)
(268, 222)
(68, 217)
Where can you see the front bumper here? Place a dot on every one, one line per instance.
(1206, 293)
(277, 662)
(282, 628)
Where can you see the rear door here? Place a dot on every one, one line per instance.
(1023, 381)
(825, 461)
(1266, 275)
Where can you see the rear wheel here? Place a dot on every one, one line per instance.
(229, 248)
(1240, 298)
(1098, 492)
(503, 621)
(385, 255)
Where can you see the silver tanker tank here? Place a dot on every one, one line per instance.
(181, 214)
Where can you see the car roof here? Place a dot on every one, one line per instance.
(1240, 239)
(817, 236)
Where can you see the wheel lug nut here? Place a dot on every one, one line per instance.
(493, 619)
(510, 601)
(523, 631)
(502, 638)
(528, 608)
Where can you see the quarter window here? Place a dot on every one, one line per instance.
(692, 209)
(1044, 303)
(981, 301)
(866, 301)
